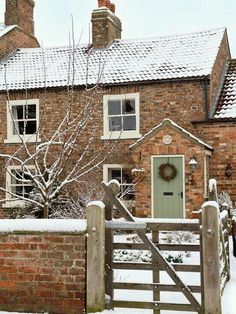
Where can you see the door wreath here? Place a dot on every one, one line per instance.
(167, 171)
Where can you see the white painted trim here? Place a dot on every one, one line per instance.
(152, 180)
(121, 134)
(106, 167)
(11, 138)
(13, 203)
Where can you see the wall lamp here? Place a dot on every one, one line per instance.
(228, 170)
(193, 165)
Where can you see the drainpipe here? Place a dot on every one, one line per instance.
(206, 98)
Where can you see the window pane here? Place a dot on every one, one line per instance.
(18, 127)
(127, 176)
(114, 174)
(17, 112)
(129, 123)
(30, 111)
(17, 174)
(27, 190)
(114, 107)
(30, 127)
(115, 124)
(128, 106)
(18, 190)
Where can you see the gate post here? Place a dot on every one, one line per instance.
(95, 257)
(115, 188)
(211, 258)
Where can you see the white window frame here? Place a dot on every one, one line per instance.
(15, 138)
(13, 203)
(106, 168)
(107, 134)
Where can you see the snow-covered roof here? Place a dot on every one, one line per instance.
(5, 29)
(169, 122)
(226, 107)
(124, 61)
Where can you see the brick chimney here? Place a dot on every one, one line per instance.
(106, 26)
(20, 13)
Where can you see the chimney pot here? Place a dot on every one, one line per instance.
(113, 8)
(101, 3)
(108, 4)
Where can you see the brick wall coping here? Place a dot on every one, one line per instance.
(65, 226)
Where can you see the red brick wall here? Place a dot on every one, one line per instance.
(222, 136)
(180, 101)
(42, 272)
(14, 39)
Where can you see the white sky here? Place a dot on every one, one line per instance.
(140, 18)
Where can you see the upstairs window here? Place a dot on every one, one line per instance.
(121, 116)
(22, 120)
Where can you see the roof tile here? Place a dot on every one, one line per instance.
(124, 61)
(226, 107)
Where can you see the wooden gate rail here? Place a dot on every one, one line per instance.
(159, 259)
(213, 267)
(152, 286)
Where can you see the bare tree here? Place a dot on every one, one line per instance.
(61, 155)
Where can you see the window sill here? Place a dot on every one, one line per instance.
(121, 136)
(26, 139)
(14, 204)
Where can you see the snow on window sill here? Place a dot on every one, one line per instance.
(27, 138)
(14, 204)
(121, 136)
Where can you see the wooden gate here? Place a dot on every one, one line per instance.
(159, 262)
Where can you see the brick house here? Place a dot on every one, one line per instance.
(168, 102)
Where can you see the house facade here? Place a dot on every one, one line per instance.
(167, 103)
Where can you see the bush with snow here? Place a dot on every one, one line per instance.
(145, 256)
(224, 198)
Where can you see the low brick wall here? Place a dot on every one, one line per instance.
(43, 271)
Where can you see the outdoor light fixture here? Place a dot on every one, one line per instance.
(228, 171)
(193, 165)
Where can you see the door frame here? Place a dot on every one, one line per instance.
(152, 180)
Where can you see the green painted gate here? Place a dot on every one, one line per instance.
(168, 196)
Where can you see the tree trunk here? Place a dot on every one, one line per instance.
(45, 211)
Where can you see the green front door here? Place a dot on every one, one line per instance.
(168, 196)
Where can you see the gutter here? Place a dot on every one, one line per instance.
(229, 120)
(108, 85)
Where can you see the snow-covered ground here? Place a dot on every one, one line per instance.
(228, 300)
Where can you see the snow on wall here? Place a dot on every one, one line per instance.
(43, 225)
